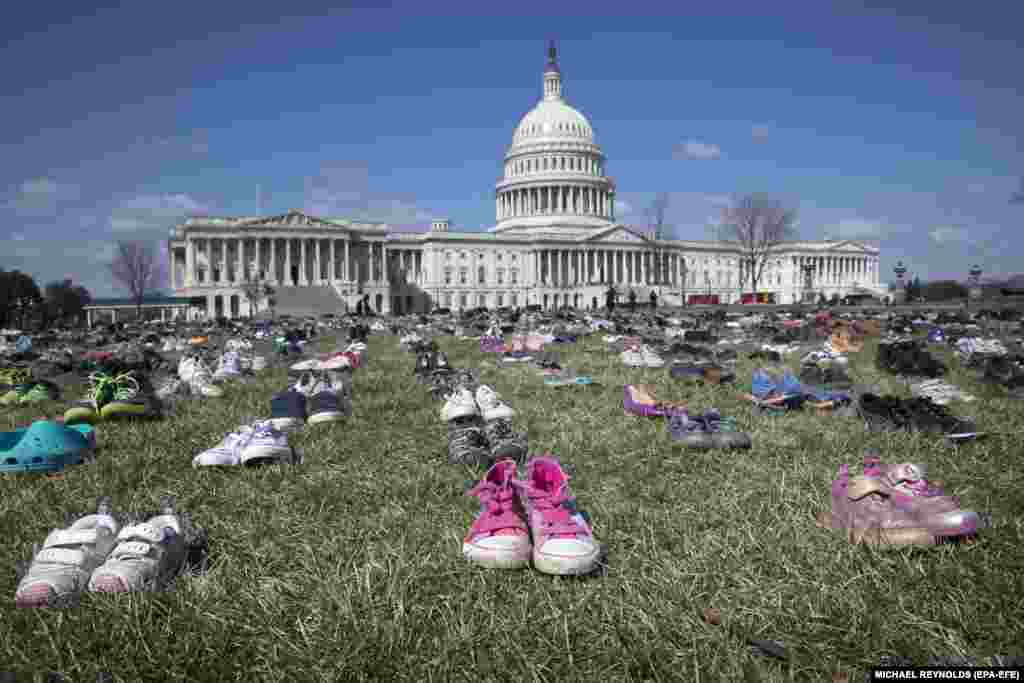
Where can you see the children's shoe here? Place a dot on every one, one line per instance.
(40, 392)
(491, 405)
(460, 403)
(562, 540)
(324, 404)
(894, 505)
(467, 442)
(147, 556)
(725, 434)
(505, 443)
(498, 538)
(288, 409)
(63, 567)
(267, 445)
(689, 432)
(127, 399)
(45, 446)
(227, 453)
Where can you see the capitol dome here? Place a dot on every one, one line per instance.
(553, 120)
(554, 172)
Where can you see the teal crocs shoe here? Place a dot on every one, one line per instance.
(44, 447)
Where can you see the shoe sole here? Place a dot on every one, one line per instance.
(565, 566)
(491, 559)
(267, 455)
(39, 595)
(332, 416)
(109, 583)
(286, 423)
(463, 412)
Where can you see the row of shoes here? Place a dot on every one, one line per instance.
(97, 553)
(908, 358)
(17, 387)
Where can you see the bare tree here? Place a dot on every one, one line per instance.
(758, 224)
(136, 267)
(657, 225)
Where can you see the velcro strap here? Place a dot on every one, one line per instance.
(132, 549)
(66, 556)
(63, 537)
(144, 531)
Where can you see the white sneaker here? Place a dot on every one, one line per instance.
(199, 379)
(491, 405)
(460, 403)
(227, 453)
(650, 358)
(69, 556)
(632, 358)
(306, 384)
(267, 445)
(228, 367)
(145, 554)
(170, 388)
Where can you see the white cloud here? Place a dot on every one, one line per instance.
(40, 196)
(855, 228)
(153, 211)
(623, 207)
(344, 191)
(760, 132)
(947, 234)
(703, 151)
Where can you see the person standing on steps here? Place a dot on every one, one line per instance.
(654, 299)
(632, 301)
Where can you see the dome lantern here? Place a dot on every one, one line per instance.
(552, 76)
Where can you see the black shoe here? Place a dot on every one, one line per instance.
(878, 412)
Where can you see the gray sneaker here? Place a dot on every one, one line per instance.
(505, 443)
(147, 555)
(467, 442)
(61, 570)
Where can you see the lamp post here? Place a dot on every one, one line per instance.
(974, 291)
(900, 271)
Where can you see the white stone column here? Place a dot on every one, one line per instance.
(223, 261)
(190, 262)
(257, 256)
(288, 248)
(240, 271)
(303, 256)
(347, 268)
(272, 266)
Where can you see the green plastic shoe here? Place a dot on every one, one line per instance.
(39, 393)
(13, 396)
(127, 400)
(102, 388)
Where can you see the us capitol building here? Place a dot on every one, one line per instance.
(556, 243)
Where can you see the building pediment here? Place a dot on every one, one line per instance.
(295, 218)
(616, 234)
(851, 247)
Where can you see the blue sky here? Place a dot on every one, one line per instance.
(902, 128)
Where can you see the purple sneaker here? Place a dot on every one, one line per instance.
(895, 505)
(689, 432)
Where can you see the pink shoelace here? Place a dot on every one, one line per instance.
(496, 508)
(557, 518)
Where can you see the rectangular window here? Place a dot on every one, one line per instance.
(462, 276)
(513, 276)
(513, 300)
(481, 275)
(447, 276)
(500, 301)
(462, 300)
(447, 300)
(481, 300)
(500, 273)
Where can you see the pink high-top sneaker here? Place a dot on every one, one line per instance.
(562, 540)
(498, 538)
(895, 505)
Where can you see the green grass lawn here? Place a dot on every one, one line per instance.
(349, 567)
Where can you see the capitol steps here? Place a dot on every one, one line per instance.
(308, 300)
